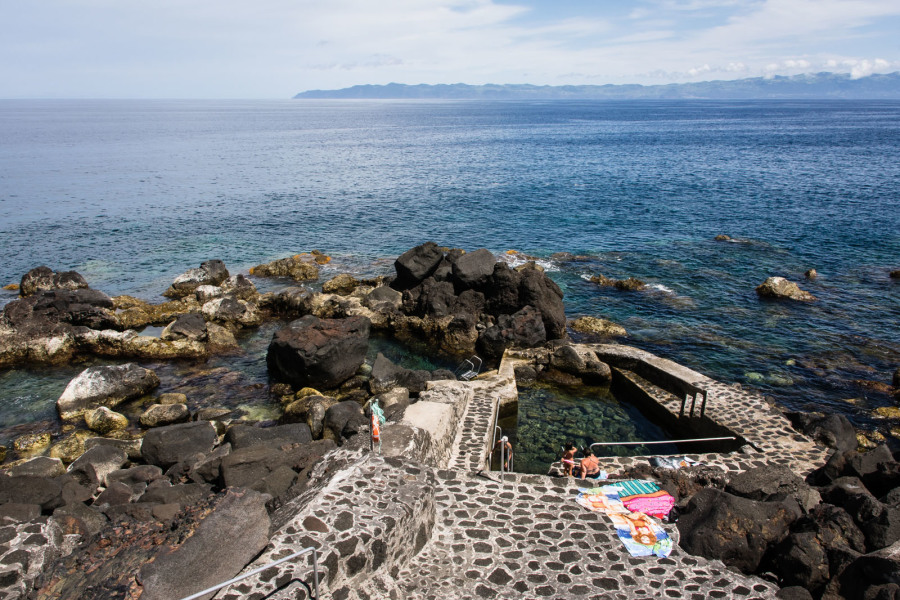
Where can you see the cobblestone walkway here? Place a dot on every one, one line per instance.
(527, 538)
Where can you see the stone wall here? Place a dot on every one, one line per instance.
(367, 516)
(439, 412)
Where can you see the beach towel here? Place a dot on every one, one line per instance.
(645, 496)
(672, 462)
(639, 533)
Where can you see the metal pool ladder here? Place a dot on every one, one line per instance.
(504, 440)
(468, 369)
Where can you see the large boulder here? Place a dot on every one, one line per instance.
(211, 272)
(92, 467)
(383, 299)
(43, 278)
(834, 431)
(772, 484)
(232, 312)
(159, 415)
(414, 265)
(879, 522)
(103, 420)
(387, 376)
(523, 329)
(539, 291)
(873, 576)
(211, 555)
(472, 270)
(735, 530)
(291, 302)
(238, 286)
(781, 288)
(166, 446)
(104, 386)
(318, 352)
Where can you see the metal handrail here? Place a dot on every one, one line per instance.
(494, 439)
(263, 568)
(710, 439)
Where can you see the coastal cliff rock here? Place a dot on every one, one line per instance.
(781, 288)
(318, 352)
(107, 386)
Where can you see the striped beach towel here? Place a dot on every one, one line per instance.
(645, 496)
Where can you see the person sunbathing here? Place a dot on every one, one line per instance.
(590, 464)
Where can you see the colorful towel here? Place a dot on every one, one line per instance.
(645, 496)
(640, 535)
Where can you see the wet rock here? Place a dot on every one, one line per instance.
(344, 420)
(342, 285)
(159, 415)
(811, 274)
(186, 327)
(247, 436)
(781, 288)
(416, 264)
(597, 326)
(39, 466)
(104, 386)
(211, 272)
(31, 443)
(722, 238)
(291, 302)
(43, 278)
(895, 274)
(165, 446)
(315, 414)
(318, 352)
(103, 420)
(232, 312)
(70, 447)
(539, 291)
(171, 398)
(238, 286)
(134, 313)
(92, 467)
(300, 267)
(735, 530)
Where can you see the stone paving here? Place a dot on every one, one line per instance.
(395, 528)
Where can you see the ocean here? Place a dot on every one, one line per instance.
(132, 193)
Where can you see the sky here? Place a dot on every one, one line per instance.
(277, 48)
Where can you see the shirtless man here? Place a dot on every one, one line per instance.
(590, 464)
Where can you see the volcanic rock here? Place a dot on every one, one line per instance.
(103, 420)
(158, 415)
(781, 288)
(300, 267)
(318, 352)
(211, 272)
(186, 327)
(165, 446)
(43, 278)
(414, 265)
(104, 386)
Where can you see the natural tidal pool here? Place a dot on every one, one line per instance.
(551, 415)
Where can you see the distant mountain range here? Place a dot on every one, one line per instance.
(809, 86)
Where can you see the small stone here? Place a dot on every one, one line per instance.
(811, 274)
(11, 287)
(895, 274)
(32, 443)
(103, 420)
(159, 415)
(887, 412)
(723, 238)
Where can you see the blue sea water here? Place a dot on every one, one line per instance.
(132, 193)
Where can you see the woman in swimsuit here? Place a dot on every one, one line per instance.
(568, 459)
(590, 464)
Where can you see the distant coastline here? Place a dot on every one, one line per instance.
(808, 86)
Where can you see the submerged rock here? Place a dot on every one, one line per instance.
(300, 267)
(103, 420)
(342, 284)
(779, 287)
(597, 326)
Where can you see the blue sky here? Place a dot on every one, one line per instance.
(276, 48)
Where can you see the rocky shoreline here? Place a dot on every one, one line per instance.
(83, 513)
